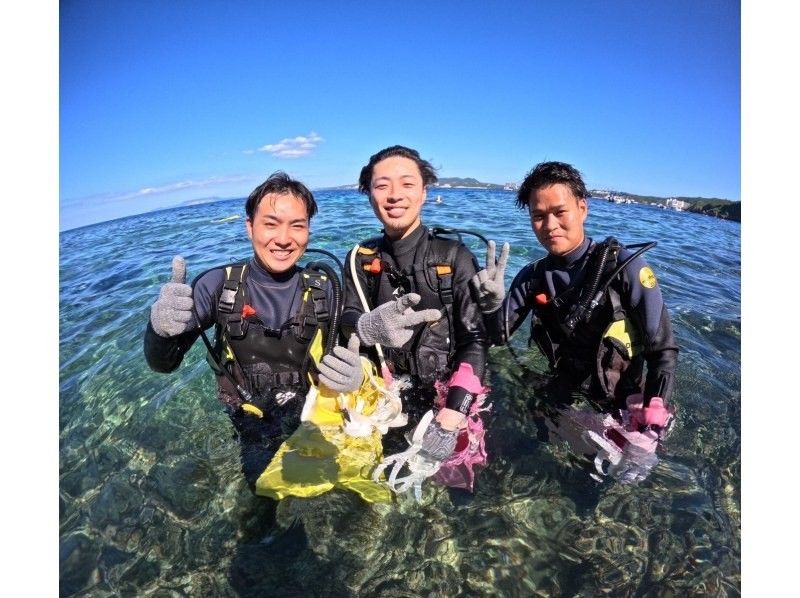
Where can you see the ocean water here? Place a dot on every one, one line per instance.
(152, 503)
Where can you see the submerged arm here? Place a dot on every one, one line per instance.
(652, 317)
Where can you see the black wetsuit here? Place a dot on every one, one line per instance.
(271, 359)
(585, 361)
(436, 350)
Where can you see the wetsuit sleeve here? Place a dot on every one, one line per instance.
(471, 342)
(352, 308)
(164, 355)
(651, 316)
(515, 304)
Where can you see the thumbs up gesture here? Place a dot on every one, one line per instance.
(171, 314)
(341, 370)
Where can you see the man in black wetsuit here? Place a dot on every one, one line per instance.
(597, 350)
(268, 313)
(408, 267)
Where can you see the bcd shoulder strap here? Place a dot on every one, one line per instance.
(369, 259)
(438, 266)
(313, 312)
(232, 300)
(440, 259)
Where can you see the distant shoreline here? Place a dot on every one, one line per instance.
(723, 209)
(471, 183)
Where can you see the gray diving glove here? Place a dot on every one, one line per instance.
(392, 324)
(634, 466)
(341, 370)
(437, 443)
(490, 281)
(171, 314)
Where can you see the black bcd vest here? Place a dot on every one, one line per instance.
(431, 350)
(601, 353)
(272, 364)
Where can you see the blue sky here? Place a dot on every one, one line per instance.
(162, 102)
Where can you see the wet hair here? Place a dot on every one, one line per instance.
(545, 174)
(425, 168)
(280, 183)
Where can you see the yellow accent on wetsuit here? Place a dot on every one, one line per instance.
(625, 332)
(647, 277)
(250, 408)
(316, 348)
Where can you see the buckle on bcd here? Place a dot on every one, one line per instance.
(306, 328)
(237, 327)
(227, 298)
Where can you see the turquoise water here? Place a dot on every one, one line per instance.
(152, 502)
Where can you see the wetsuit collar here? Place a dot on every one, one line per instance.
(565, 261)
(263, 276)
(407, 245)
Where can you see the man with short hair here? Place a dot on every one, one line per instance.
(268, 313)
(408, 291)
(597, 312)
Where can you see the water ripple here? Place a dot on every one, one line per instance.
(151, 500)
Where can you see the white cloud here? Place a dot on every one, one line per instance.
(163, 189)
(183, 185)
(302, 145)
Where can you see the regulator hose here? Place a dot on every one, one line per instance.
(580, 311)
(598, 293)
(439, 230)
(336, 303)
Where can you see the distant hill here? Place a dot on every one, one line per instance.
(470, 183)
(451, 183)
(339, 188)
(727, 210)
